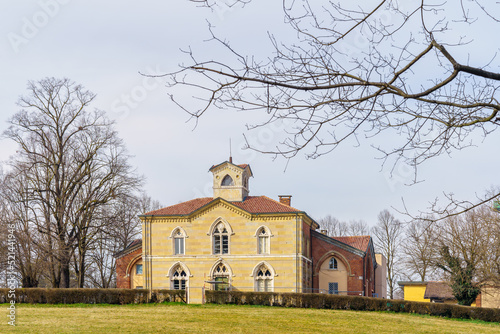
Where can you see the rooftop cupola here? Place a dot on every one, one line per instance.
(231, 181)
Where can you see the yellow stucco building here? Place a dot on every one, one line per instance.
(230, 239)
(433, 292)
(414, 291)
(247, 243)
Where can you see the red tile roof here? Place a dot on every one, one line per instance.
(263, 204)
(252, 204)
(183, 208)
(360, 242)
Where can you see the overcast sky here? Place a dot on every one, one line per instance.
(103, 45)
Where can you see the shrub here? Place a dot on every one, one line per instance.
(355, 303)
(91, 296)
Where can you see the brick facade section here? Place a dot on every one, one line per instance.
(122, 276)
(360, 267)
(369, 273)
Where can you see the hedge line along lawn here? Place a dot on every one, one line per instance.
(180, 318)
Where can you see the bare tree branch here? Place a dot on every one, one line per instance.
(406, 79)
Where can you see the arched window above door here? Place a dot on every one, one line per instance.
(333, 264)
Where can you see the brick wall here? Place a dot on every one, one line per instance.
(356, 263)
(122, 276)
(369, 274)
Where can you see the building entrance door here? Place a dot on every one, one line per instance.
(222, 283)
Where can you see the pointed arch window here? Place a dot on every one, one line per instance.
(263, 237)
(138, 269)
(333, 264)
(220, 238)
(220, 270)
(227, 181)
(179, 241)
(221, 276)
(264, 279)
(179, 278)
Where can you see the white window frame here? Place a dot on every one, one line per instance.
(266, 240)
(179, 281)
(263, 274)
(263, 242)
(179, 245)
(333, 264)
(137, 269)
(213, 231)
(220, 233)
(178, 233)
(264, 279)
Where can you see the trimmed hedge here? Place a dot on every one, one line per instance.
(355, 303)
(91, 296)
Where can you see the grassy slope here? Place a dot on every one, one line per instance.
(163, 318)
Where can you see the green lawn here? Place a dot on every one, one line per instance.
(179, 318)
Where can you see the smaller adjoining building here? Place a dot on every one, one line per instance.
(345, 264)
(433, 292)
(413, 291)
(381, 276)
(129, 272)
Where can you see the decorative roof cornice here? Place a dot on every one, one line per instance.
(253, 207)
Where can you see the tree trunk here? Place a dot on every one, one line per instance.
(29, 282)
(65, 268)
(81, 269)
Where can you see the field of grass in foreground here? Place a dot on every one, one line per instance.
(180, 318)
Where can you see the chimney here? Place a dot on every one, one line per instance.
(286, 199)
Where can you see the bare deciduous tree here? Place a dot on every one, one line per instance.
(387, 239)
(123, 228)
(29, 244)
(337, 228)
(73, 164)
(420, 249)
(358, 227)
(359, 69)
(334, 227)
(3, 232)
(472, 242)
